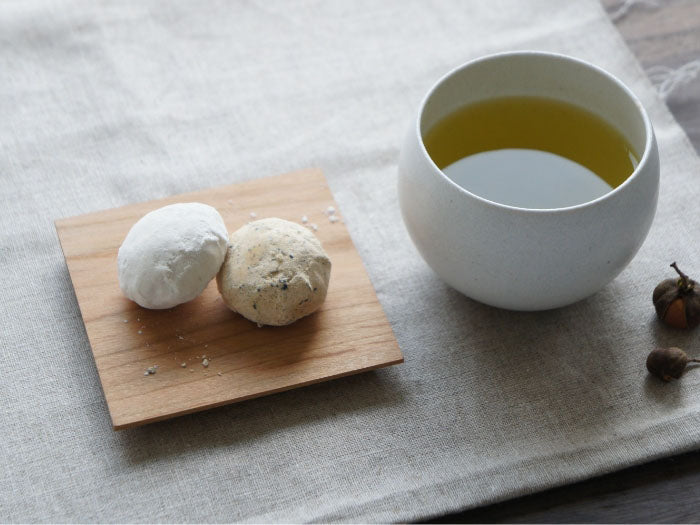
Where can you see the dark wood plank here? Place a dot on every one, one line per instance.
(668, 35)
(664, 491)
(667, 490)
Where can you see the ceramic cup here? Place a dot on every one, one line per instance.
(519, 258)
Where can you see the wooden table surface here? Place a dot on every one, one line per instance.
(668, 490)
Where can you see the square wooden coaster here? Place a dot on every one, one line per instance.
(349, 334)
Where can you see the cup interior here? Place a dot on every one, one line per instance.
(540, 75)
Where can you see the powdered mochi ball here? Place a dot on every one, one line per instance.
(170, 255)
(275, 272)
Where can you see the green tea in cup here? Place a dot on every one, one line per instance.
(530, 152)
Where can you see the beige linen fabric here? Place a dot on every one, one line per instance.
(105, 104)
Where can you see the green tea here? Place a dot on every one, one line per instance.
(531, 152)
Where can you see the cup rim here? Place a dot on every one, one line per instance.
(648, 130)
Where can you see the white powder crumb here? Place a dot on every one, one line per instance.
(125, 321)
(330, 210)
(191, 370)
(333, 218)
(183, 365)
(314, 227)
(218, 373)
(206, 346)
(253, 215)
(138, 318)
(140, 331)
(205, 363)
(304, 220)
(180, 337)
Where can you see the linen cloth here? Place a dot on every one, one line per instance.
(105, 104)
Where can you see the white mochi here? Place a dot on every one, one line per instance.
(170, 255)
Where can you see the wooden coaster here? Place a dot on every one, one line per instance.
(349, 334)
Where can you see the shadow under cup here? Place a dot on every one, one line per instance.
(518, 257)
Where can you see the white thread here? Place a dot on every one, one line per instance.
(627, 5)
(667, 79)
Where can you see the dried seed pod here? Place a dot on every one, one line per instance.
(677, 301)
(668, 363)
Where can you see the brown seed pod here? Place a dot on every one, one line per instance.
(668, 363)
(677, 301)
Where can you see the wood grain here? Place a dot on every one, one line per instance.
(349, 334)
(666, 490)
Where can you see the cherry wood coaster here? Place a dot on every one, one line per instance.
(349, 334)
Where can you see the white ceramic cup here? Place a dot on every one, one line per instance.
(519, 258)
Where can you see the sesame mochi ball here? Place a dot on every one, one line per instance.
(275, 272)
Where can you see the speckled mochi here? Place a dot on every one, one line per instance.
(275, 272)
